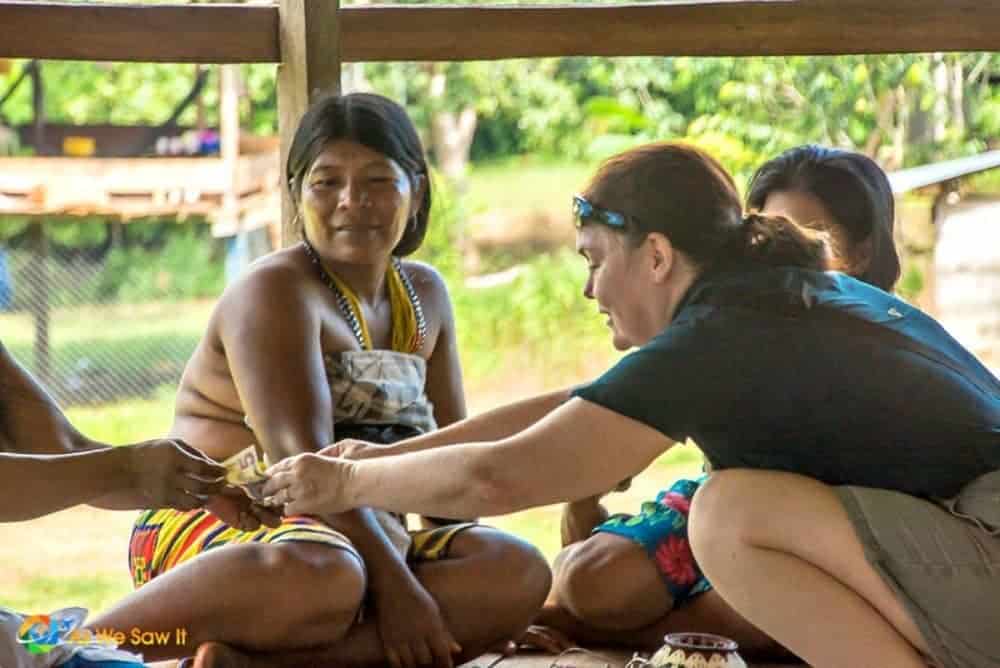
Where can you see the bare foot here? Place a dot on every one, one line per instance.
(545, 639)
(554, 618)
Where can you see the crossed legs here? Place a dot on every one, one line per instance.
(609, 590)
(295, 604)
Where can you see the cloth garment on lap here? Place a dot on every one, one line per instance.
(660, 527)
(164, 539)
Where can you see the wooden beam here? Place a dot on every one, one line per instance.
(249, 33)
(697, 28)
(140, 33)
(309, 69)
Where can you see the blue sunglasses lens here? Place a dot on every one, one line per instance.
(585, 212)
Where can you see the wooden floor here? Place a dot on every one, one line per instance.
(597, 658)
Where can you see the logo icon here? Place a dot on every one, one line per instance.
(41, 633)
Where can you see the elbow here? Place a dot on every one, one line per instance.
(494, 490)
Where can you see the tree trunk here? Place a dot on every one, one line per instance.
(451, 135)
(958, 97)
(941, 80)
(451, 131)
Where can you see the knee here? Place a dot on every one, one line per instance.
(723, 513)
(603, 584)
(334, 579)
(529, 568)
(521, 578)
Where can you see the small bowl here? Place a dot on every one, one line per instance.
(697, 650)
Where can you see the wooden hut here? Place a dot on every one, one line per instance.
(964, 276)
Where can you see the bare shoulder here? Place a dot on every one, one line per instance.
(276, 280)
(274, 289)
(429, 284)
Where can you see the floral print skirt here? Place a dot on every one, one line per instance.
(661, 527)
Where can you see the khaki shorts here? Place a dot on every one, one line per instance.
(944, 568)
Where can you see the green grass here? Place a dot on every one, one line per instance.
(128, 421)
(523, 185)
(47, 593)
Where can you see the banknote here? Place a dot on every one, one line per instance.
(247, 469)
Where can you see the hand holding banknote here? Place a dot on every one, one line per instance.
(248, 471)
(241, 505)
(310, 484)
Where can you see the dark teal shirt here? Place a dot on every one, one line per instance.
(751, 372)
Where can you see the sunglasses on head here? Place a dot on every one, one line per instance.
(586, 212)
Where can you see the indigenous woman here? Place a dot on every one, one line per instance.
(334, 336)
(855, 445)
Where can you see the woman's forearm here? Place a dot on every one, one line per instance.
(580, 450)
(493, 425)
(433, 482)
(35, 485)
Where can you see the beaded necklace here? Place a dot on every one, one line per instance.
(353, 315)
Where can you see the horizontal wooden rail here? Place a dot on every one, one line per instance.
(249, 33)
(141, 33)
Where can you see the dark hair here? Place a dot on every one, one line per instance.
(851, 186)
(686, 195)
(373, 121)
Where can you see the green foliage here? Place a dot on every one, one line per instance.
(559, 106)
(188, 265)
(911, 284)
(541, 320)
(441, 247)
(13, 226)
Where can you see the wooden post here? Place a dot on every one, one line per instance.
(229, 145)
(40, 293)
(309, 34)
(39, 300)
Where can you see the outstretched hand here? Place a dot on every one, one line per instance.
(169, 473)
(309, 484)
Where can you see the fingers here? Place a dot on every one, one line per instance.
(179, 499)
(393, 658)
(297, 508)
(406, 656)
(336, 449)
(201, 487)
(443, 646)
(197, 462)
(283, 490)
(265, 516)
(422, 653)
(279, 481)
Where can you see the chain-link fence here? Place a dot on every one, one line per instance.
(101, 325)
